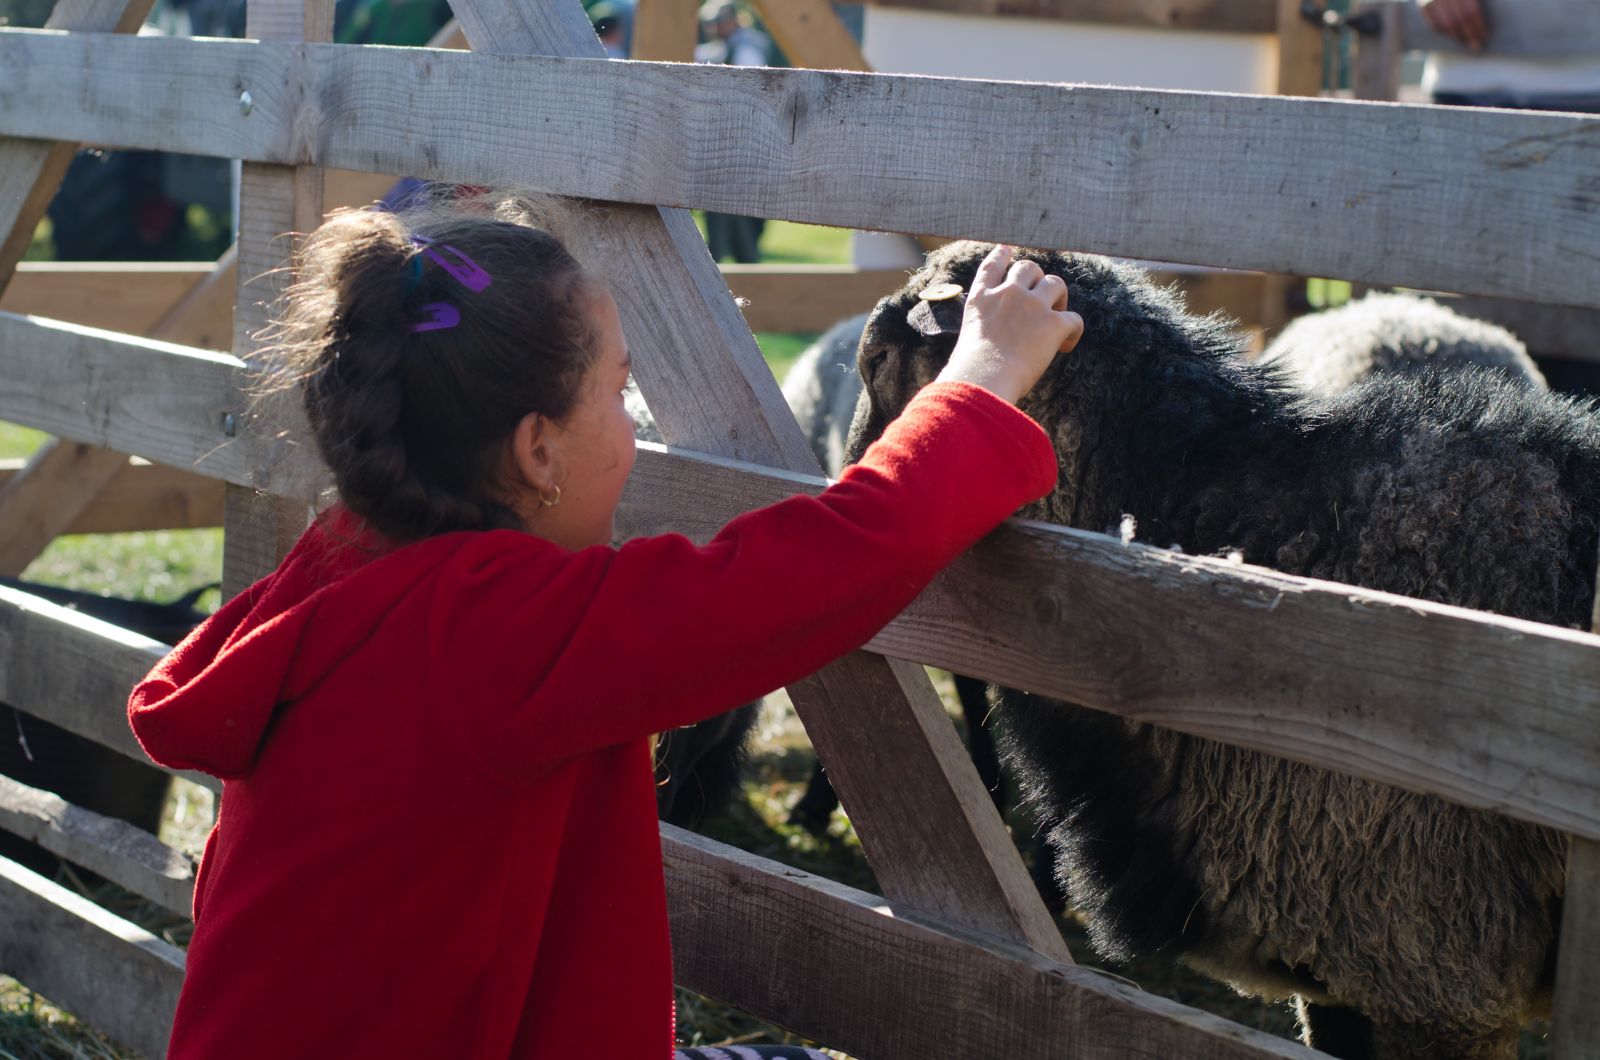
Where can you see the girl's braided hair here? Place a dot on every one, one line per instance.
(413, 424)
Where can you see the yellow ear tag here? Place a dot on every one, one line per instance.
(941, 292)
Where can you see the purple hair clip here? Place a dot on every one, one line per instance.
(462, 269)
(441, 315)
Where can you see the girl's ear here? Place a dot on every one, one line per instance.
(535, 454)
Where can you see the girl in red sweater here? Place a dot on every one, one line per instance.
(437, 835)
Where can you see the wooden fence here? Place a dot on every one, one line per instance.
(960, 955)
(1548, 29)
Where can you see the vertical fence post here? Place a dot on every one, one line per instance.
(1575, 1025)
(273, 200)
(1300, 58)
(1376, 73)
(666, 30)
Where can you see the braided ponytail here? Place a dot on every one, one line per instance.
(413, 422)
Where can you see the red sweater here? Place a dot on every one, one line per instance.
(438, 834)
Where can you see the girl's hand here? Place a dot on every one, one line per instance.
(1461, 19)
(1015, 322)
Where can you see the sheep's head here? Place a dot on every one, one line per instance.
(1137, 341)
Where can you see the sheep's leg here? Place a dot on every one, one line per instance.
(1341, 1032)
(816, 805)
(701, 767)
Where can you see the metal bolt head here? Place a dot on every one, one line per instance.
(247, 102)
(230, 424)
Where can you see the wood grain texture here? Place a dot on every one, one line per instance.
(807, 297)
(30, 172)
(666, 30)
(59, 482)
(1376, 72)
(116, 296)
(63, 477)
(123, 853)
(278, 205)
(1575, 1029)
(810, 34)
(139, 396)
(144, 496)
(1370, 192)
(1556, 331)
(1229, 16)
(710, 388)
(112, 974)
(75, 672)
(258, 530)
(1488, 711)
(202, 316)
(1300, 66)
(895, 986)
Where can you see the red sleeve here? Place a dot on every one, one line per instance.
(612, 644)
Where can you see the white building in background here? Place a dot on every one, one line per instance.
(1013, 48)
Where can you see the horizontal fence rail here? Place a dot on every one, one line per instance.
(123, 853)
(1487, 711)
(1371, 192)
(939, 994)
(75, 671)
(110, 973)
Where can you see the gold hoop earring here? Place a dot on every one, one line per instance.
(549, 502)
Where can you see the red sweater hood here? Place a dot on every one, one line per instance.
(209, 703)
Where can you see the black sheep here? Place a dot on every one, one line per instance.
(1405, 925)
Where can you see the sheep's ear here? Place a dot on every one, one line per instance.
(938, 317)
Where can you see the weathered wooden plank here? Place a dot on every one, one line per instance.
(1575, 1030)
(898, 986)
(123, 853)
(277, 204)
(807, 297)
(1533, 29)
(1501, 716)
(157, 400)
(75, 671)
(810, 34)
(1376, 74)
(1300, 62)
(1237, 294)
(666, 30)
(1556, 331)
(30, 172)
(202, 315)
(59, 482)
(1370, 192)
(62, 478)
(781, 297)
(1483, 710)
(117, 296)
(710, 388)
(114, 975)
(144, 496)
(1229, 16)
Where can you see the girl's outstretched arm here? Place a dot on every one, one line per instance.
(558, 658)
